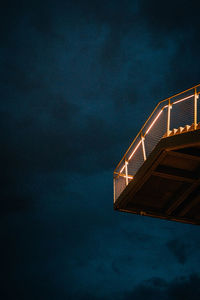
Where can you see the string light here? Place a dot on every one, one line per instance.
(134, 150)
(156, 118)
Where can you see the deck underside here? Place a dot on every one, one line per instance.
(167, 185)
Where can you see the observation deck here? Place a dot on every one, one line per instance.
(159, 175)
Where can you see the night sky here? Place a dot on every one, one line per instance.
(78, 80)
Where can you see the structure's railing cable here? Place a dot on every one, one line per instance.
(170, 115)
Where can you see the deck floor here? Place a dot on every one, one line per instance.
(167, 185)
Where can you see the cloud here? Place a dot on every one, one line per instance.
(122, 262)
(170, 16)
(180, 249)
(175, 22)
(177, 289)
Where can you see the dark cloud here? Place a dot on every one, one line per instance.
(170, 16)
(156, 288)
(180, 249)
(183, 289)
(72, 146)
(177, 23)
(13, 203)
(184, 58)
(122, 262)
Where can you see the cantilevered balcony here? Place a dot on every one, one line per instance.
(159, 175)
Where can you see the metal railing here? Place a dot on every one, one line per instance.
(175, 112)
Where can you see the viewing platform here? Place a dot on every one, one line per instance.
(159, 175)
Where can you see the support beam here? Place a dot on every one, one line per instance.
(183, 197)
(176, 172)
(185, 156)
(172, 177)
(189, 206)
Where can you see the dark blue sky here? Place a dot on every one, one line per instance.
(78, 80)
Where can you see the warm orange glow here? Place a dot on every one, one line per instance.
(166, 106)
(156, 118)
(151, 125)
(122, 169)
(131, 156)
(178, 101)
(128, 176)
(124, 166)
(182, 99)
(124, 176)
(134, 150)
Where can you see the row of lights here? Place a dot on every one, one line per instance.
(151, 125)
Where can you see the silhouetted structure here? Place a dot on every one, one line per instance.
(159, 175)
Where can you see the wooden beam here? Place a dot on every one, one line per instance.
(172, 177)
(189, 206)
(185, 156)
(176, 171)
(183, 197)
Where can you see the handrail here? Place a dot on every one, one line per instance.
(167, 99)
(129, 160)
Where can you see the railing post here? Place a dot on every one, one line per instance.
(195, 108)
(168, 117)
(126, 171)
(143, 147)
(114, 188)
